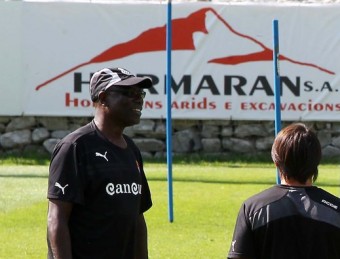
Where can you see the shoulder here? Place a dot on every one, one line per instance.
(76, 136)
(321, 196)
(80, 133)
(269, 195)
(316, 191)
(265, 197)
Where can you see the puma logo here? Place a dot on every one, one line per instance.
(59, 186)
(233, 245)
(101, 155)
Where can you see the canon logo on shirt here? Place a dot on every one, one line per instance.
(126, 188)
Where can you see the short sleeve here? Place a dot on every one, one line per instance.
(242, 243)
(65, 175)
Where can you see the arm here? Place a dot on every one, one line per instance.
(58, 234)
(141, 246)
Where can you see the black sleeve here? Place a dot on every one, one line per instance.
(65, 179)
(242, 245)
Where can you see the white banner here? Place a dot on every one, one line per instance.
(222, 60)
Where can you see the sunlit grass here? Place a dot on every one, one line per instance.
(206, 195)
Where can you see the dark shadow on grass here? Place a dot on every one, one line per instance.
(233, 182)
(22, 176)
(161, 179)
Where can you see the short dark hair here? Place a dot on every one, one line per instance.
(297, 153)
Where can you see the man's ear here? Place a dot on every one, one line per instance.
(102, 98)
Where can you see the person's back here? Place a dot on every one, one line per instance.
(288, 222)
(294, 219)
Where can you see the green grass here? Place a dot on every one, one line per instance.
(207, 196)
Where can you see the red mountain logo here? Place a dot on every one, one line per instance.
(183, 29)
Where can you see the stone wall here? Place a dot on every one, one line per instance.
(40, 134)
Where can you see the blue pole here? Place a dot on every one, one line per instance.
(277, 84)
(168, 117)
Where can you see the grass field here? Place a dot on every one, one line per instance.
(207, 197)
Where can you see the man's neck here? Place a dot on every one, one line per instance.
(113, 134)
(293, 182)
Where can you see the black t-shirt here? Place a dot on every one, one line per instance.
(107, 187)
(288, 223)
